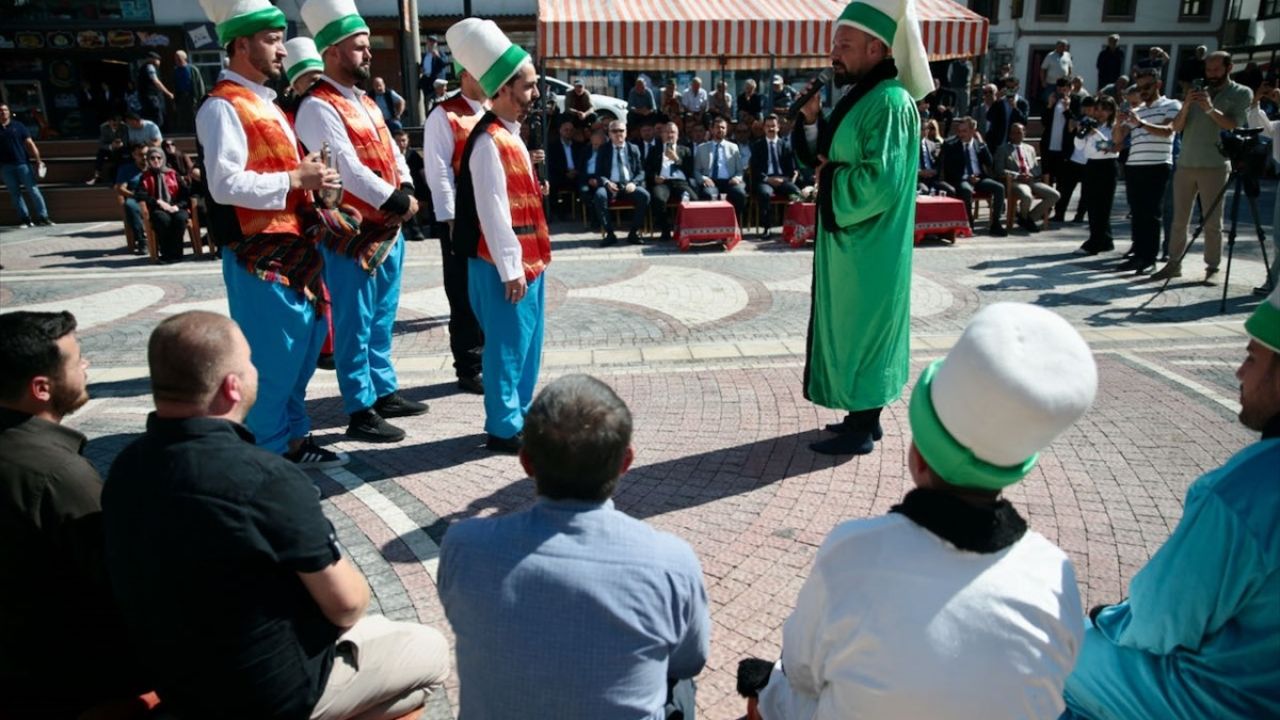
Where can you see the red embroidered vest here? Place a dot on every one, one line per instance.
(525, 198)
(372, 143)
(462, 119)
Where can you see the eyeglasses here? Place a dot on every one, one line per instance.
(618, 131)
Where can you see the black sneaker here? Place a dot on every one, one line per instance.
(397, 405)
(369, 426)
(310, 455)
(509, 446)
(44, 222)
(473, 384)
(609, 240)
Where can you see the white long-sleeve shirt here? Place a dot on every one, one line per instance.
(1270, 128)
(226, 152)
(492, 204)
(437, 156)
(319, 122)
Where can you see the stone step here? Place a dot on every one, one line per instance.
(69, 202)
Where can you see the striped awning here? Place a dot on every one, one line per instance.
(620, 34)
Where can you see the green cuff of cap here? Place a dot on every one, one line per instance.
(270, 18)
(870, 19)
(304, 66)
(502, 69)
(1264, 326)
(339, 30)
(951, 461)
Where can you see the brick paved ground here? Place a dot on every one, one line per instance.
(707, 348)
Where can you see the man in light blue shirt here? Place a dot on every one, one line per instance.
(572, 609)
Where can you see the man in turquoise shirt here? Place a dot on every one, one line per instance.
(1199, 636)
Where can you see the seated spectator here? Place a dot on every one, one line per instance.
(668, 174)
(227, 570)
(126, 186)
(588, 179)
(750, 103)
(718, 169)
(565, 161)
(439, 93)
(773, 173)
(966, 167)
(1199, 634)
(671, 106)
(112, 149)
(696, 131)
(783, 96)
(941, 103)
(140, 131)
(694, 101)
(63, 646)
(1017, 160)
(647, 141)
(619, 175)
(641, 104)
(928, 179)
(949, 606)
(166, 196)
(721, 102)
(742, 136)
(389, 102)
(577, 104)
(572, 609)
(413, 227)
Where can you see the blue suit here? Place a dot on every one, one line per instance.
(634, 173)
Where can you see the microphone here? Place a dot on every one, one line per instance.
(815, 85)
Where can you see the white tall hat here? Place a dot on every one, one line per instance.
(486, 52)
(241, 18)
(302, 57)
(1017, 378)
(897, 24)
(332, 21)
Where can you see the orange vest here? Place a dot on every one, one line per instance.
(462, 119)
(525, 198)
(372, 143)
(270, 151)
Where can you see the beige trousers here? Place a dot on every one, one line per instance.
(1048, 198)
(1187, 184)
(382, 670)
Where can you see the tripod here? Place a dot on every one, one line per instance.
(1249, 188)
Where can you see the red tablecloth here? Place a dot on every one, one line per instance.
(707, 223)
(943, 216)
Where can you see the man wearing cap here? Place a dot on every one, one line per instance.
(783, 95)
(443, 138)
(501, 229)
(257, 189)
(949, 606)
(865, 156)
(362, 272)
(1199, 634)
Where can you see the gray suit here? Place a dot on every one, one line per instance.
(1007, 164)
(731, 165)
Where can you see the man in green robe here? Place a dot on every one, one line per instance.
(866, 153)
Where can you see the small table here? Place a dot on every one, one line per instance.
(942, 216)
(713, 222)
(799, 224)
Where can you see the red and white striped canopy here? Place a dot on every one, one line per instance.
(618, 34)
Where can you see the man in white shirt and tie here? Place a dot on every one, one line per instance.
(1017, 160)
(773, 171)
(965, 165)
(619, 176)
(668, 172)
(719, 169)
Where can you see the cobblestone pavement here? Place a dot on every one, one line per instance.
(707, 349)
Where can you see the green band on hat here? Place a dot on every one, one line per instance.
(339, 30)
(457, 69)
(1264, 325)
(502, 69)
(951, 461)
(871, 19)
(268, 18)
(304, 66)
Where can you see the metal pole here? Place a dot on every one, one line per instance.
(410, 55)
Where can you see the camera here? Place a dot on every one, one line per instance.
(1085, 125)
(1248, 150)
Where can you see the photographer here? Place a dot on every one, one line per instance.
(1270, 128)
(1101, 153)
(1060, 115)
(1071, 172)
(1147, 168)
(1012, 108)
(1215, 105)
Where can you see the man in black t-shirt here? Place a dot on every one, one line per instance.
(224, 564)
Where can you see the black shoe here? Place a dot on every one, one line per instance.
(325, 362)
(473, 384)
(1086, 250)
(633, 238)
(665, 237)
(609, 240)
(997, 230)
(369, 426)
(44, 222)
(847, 425)
(397, 405)
(310, 455)
(1129, 265)
(850, 443)
(1077, 220)
(509, 446)
(1028, 224)
(1144, 268)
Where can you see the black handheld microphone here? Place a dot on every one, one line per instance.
(815, 86)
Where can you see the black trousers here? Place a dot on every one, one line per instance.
(722, 190)
(1144, 186)
(765, 194)
(995, 189)
(466, 341)
(660, 194)
(1099, 196)
(169, 228)
(1070, 175)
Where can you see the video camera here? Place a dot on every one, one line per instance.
(1085, 125)
(1247, 149)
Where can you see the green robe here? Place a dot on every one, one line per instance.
(860, 319)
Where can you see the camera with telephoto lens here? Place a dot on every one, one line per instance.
(1085, 125)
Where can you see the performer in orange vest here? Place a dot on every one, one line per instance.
(363, 273)
(443, 138)
(258, 185)
(501, 227)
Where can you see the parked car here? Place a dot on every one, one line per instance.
(608, 108)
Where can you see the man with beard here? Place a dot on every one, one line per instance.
(1199, 634)
(1146, 170)
(501, 228)
(63, 647)
(362, 272)
(865, 156)
(257, 187)
(1202, 171)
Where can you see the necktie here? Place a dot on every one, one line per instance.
(568, 156)
(1022, 162)
(924, 156)
(671, 166)
(715, 162)
(973, 159)
(775, 166)
(622, 165)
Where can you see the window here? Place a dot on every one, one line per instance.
(1053, 9)
(76, 13)
(1194, 9)
(990, 9)
(1267, 9)
(1113, 10)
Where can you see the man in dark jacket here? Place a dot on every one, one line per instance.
(772, 171)
(966, 166)
(668, 173)
(619, 176)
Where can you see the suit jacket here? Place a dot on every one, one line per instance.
(998, 127)
(604, 163)
(558, 164)
(106, 135)
(1006, 162)
(934, 149)
(730, 158)
(653, 164)
(1046, 117)
(760, 160)
(644, 152)
(954, 164)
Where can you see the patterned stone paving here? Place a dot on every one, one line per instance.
(707, 349)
